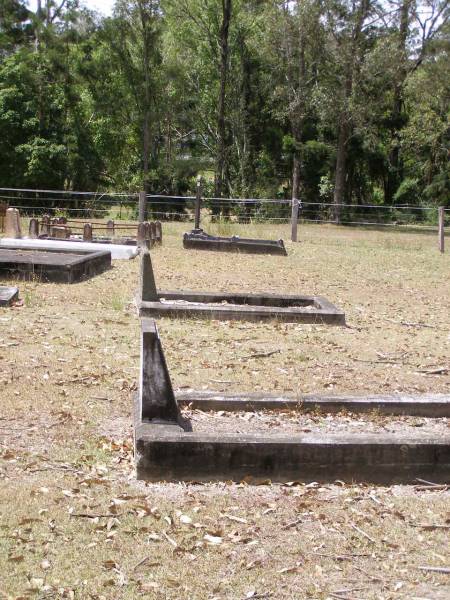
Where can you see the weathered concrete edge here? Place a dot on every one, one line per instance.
(241, 312)
(167, 453)
(419, 405)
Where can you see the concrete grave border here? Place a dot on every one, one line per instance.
(80, 265)
(414, 405)
(165, 449)
(239, 307)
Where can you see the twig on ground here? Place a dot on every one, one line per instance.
(260, 354)
(363, 533)
(437, 371)
(430, 526)
(444, 570)
(291, 524)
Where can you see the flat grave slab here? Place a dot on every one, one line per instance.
(243, 307)
(60, 266)
(8, 295)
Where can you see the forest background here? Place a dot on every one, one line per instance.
(338, 101)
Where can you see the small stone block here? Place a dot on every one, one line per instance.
(8, 295)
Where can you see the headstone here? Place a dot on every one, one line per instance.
(141, 235)
(153, 235)
(3, 208)
(33, 231)
(12, 223)
(158, 228)
(156, 398)
(45, 225)
(87, 232)
(149, 292)
(110, 228)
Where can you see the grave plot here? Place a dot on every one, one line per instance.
(77, 230)
(232, 306)
(8, 295)
(60, 266)
(200, 240)
(175, 445)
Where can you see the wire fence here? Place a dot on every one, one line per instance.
(125, 206)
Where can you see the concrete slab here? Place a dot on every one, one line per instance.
(8, 295)
(117, 251)
(56, 265)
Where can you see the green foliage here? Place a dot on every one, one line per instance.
(408, 192)
(117, 103)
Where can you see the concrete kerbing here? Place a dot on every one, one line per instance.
(8, 295)
(173, 455)
(418, 405)
(165, 449)
(244, 307)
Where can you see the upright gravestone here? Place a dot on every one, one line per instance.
(33, 230)
(149, 293)
(87, 232)
(141, 235)
(45, 225)
(156, 398)
(110, 228)
(12, 224)
(158, 229)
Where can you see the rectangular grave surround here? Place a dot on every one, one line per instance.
(167, 449)
(59, 266)
(8, 295)
(243, 307)
(169, 452)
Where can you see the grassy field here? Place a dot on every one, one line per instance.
(75, 524)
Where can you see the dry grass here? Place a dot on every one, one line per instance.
(69, 357)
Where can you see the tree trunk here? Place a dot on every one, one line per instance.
(341, 171)
(146, 126)
(394, 171)
(352, 67)
(221, 161)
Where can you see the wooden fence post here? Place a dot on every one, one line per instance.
(294, 219)
(441, 229)
(142, 206)
(294, 211)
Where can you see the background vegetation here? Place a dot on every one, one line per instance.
(338, 101)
